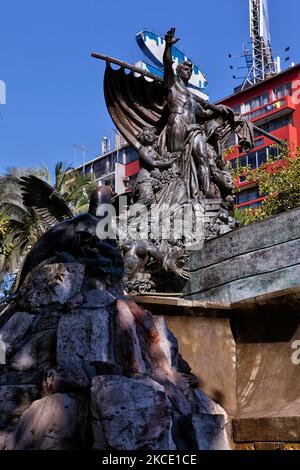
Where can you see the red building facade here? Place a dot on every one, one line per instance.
(274, 106)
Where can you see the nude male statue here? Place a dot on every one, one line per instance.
(187, 113)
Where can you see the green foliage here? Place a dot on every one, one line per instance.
(278, 181)
(250, 215)
(5, 246)
(74, 187)
(20, 226)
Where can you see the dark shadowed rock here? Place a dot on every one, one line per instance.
(14, 400)
(96, 298)
(51, 284)
(207, 432)
(21, 378)
(83, 337)
(15, 329)
(205, 405)
(76, 331)
(3, 437)
(37, 353)
(106, 368)
(55, 422)
(65, 379)
(129, 414)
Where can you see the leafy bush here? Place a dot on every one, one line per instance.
(278, 180)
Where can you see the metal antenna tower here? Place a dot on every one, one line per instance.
(260, 63)
(259, 59)
(263, 64)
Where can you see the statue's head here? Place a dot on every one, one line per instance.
(185, 71)
(148, 136)
(101, 195)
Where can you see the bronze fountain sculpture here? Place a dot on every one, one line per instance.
(180, 138)
(183, 178)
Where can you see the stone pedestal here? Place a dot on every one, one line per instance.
(87, 368)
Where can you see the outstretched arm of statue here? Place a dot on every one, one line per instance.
(203, 113)
(168, 61)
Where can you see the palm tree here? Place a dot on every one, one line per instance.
(74, 187)
(25, 224)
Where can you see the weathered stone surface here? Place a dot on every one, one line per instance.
(96, 298)
(84, 337)
(47, 319)
(76, 331)
(3, 436)
(168, 341)
(210, 349)
(38, 352)
(65, 379)
(15, 328)
(50, 284)
(14, 400)
(206, 405)
(280, 429)
(208, 432)
(56, 422)
(106, 368)
(21, 378)
(267, 376)
(169, 345)
(128, 414)
(267, 446)
(127, 343)
(248, 446)
(257, 262)
(266, 233)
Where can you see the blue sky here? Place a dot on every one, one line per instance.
(54, 87)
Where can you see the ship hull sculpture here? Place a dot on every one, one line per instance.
(180, 139)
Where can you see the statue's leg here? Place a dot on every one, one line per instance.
(176, 130)
(201, 156)
(143, 191)
(145, 194)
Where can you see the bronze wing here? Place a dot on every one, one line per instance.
(49, 204)
(134, 102)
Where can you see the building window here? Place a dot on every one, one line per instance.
(256, 102)
(247, 195)
(276, 124)
(100, 168)
(273, 152)
(243, 161)
(282, 90)
(252, 160)
(262, 156)
(255, 159)
(121, 156)
(87, 169)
